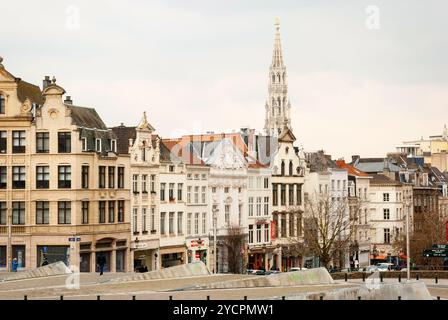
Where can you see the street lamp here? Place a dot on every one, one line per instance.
(215, 210)
(408, 253)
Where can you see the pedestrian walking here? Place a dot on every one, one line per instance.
(356, 264)
(15, 264)
(101, 262)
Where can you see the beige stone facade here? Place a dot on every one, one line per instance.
(62, 181)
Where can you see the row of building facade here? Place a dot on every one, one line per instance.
(73, 189)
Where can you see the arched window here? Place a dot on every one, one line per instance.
(2, 104)
(283, 168)
(278, 76)
(279, 101)
(290, 168)
(273, 78)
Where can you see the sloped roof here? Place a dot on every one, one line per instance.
(350, 169)
(27, 90)
(123, 135)
(86, 117)
(381, 179)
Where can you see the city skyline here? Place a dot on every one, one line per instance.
(214, 74)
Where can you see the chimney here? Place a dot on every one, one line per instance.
(68, 100)
(46, 82)
(355, 158)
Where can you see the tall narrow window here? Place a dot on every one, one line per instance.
(259, 206)
(171, 222)
(196, 194)
(18, 212)
(204, 222)
(64, 142)
(85, 177)
(135, 219)
(171, 191)
(385, 197)
(120, 210)
(251, 233)
(113, 145)
(189, 224)
(42, 142)
(266, 206)
(203, 194)
(274, 194)
(135, 183)
(3, 177)
(283, 194)
(227, 214)
(153, 183)
(102, 211)
(111, 211)
(298, 194)
(64, 212)
(2, 104)
(189, 194)
(291, 194)
(283, 168)
(180, 222)
(101, 177)
(266, 233)
(162, 191)
(290, 168)
(144, 220)
(18, 142)
(387, 235)
(64, 177)
(196, 223)
(3, 213)
(153, 219)
(42, 212)
(18, 177)
(144, 183)
(162, 222)
(98, 145)
(111, 182)
(85, 212)
(180, 187)
(120, 177)
(42, 177)
(291, 225)
(3, 141)
(386, 213)
(251, 206)
(258, 233)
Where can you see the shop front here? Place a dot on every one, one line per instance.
(51, 254)
(145, 255)
(197, 250)
(173, 256)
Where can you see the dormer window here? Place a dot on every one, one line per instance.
(2, 104)
(113, 145)
(84, 144)
(98, 145)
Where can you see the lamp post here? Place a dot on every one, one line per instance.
(215, 210)
(408, 253)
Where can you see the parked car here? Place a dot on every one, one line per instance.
(297, 269)
(385, 266)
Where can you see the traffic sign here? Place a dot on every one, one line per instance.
(436, 253)
(440, 246)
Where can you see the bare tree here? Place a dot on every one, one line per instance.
(235, 242)
(328, 227)
(428, 230)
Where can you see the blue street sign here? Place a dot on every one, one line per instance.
(44, 249)
(71, 239)
(78, 239)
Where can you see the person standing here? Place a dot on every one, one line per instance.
(101, 263)
(15, 264)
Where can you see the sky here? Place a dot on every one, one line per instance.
(363, 75)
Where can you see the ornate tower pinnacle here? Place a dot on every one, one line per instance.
(277, 106)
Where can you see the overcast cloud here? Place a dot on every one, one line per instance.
(201, 65)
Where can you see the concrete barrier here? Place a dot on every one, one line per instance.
(53, 269)
(184, 270)
(295, 278)
(413, 290)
